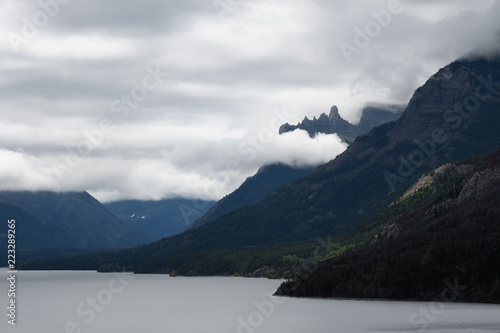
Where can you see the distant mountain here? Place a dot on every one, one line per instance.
(445, 231)
(452, 117)
(255, 188)
(33, 232)
(376, 168)
(334, 123)
(271, 177)
(76, 221)
(159, 219)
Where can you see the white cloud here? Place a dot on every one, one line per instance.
(19, 171)
(228, 73)
(209, 170)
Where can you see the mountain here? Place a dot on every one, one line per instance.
(33, 232)
(451, 117)
(159, 219)
(271, 177)
(378, 167)
(334, 123)
(65, 221)
(265, 181)
(444, 231)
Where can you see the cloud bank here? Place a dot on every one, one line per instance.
(153, 99)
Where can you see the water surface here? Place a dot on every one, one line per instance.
(55, 302)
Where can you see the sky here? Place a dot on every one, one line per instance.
(184, 98)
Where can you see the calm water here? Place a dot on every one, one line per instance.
(55, 302)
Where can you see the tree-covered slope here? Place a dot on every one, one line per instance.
(73, 220)
(445, 229)
(436, 128)
(450, 118)
(159, 219)
(255, 188)
(34, 234)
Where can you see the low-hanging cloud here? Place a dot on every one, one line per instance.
(202, 170)
(227, 71)
(210, 170)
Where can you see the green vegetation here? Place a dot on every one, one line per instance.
(268, 179)
(431, 237)
(387, 247)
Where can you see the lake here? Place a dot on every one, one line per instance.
(57, 302)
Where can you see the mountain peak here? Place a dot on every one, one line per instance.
(334, 123)
(334, 113)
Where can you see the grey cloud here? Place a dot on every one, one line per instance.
(228, 74)
(127, 18)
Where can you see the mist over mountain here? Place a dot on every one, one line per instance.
(64, 222)
(271, 177)
(451, 117)
(255, 188)
(159, 219)
(333, 123)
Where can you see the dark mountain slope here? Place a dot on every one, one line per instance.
(38, 239)
(34, 233)
(271, 177)
(333, 123)
(454, 238)
(266, 180)
(366, 178)
(373, 171)
(381, 165)
(359, 183)
(79, 216)
(159, 219)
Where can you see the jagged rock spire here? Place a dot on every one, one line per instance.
(334, 123)
(334, 112)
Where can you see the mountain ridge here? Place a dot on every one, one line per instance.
(333, 198)
(267, 179)
(66, 221)
(450, 233)
(354, 187)
(371, 116)
(256, 187)
(159, 219)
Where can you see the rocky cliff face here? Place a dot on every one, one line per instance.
(334, 123)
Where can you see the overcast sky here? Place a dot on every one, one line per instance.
(153, 99)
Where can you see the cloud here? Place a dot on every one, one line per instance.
(202, 170)
(211, 169)
(19, 171)
(226, 71)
